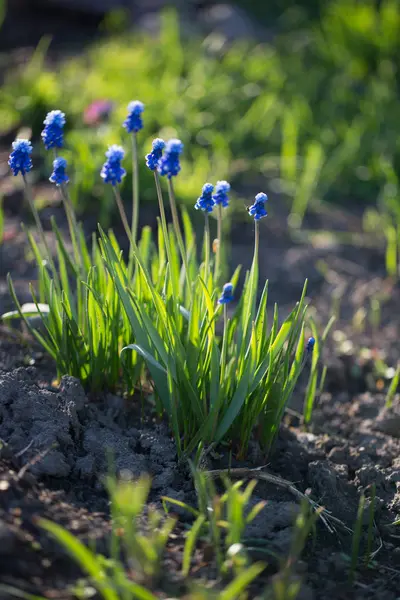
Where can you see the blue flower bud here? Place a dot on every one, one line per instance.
(227, 294)
(169, 162)
(310, 344)
(53, 133)
(112, 172)
(221, 193)
(257, 210)
(59, 175)
(205, 202)
(133, 122)
(20, 158)
(153, 157)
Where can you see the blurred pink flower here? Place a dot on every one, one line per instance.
(97, 112)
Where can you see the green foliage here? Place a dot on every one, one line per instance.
(220, 522)
(140, 534)
(216, 377)
(212, 387)
(320, 119)
(141, 537)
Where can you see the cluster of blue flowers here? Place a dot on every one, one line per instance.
(133, 122)
(163, 158)
(206, 202)
(53, 132)
(59, 175)
(20, 158)
(257, 210)
(112, 172)
(169, 164)
(208, 199)
(221, 193)
(227, 294)
(153, 157)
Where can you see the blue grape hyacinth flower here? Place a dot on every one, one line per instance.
(133, 122)
(112, 172)
(257, 210)
(20, 158)
(53, 132)
(310, 344)
(169, 163)
(227, 294)
(221, 193)
(206, 202)
(59, 175)
(153, 157)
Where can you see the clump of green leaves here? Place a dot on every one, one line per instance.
(220, 522)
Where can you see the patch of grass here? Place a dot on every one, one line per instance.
(160, 318)
(140, 536)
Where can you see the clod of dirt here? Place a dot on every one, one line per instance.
(329, 483)
(388, 420)
(60, 434)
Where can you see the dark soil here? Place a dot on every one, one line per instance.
(55, 440)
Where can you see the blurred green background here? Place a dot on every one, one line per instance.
(310, 109)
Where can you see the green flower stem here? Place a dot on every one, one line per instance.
(123, 216)
(165, 230)
(217, 272)
(29, 197)
(135, 188)
(72, 223)
(178, 233)
(256, 241)
(206, 248)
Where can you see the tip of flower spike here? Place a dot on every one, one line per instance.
(174, 145)
(22, 145)
(227, 294)
(222, 186)
(135, 107)
(59, 176)
(261, 197)
(158, 144)
(60, 163)
(205, 202)
(228, 288)
(55, 117)
(112, 172)
(221, 193)
(208, 188)
(310, 344)
(20, 157)
(115, 152)
(257, 210)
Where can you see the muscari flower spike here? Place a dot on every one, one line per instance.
(112, 172)
(310, 344)
(20, 158)
(169, 162)
(133, 122)
(206, 201)
(257, 210)
(153, 157)
(221, 193)
(53, 133)
(227, 294)
(59, 175)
